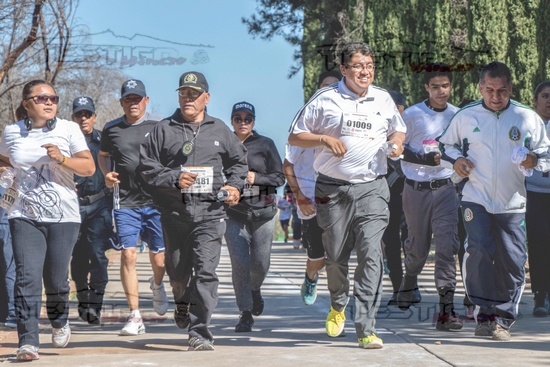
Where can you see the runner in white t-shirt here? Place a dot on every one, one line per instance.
(45, 153)
(354, 124)
(430, 191)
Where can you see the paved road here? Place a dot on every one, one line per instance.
(288, 333)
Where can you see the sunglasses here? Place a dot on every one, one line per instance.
(189, 94)
(247, 120)
(42, 98)
(86, 114)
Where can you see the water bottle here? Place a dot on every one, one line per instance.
(388, 148)
(455, 178)
(7, 177)
(222, 195)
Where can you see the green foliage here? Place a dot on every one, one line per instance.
(466, 34)
(409, 34)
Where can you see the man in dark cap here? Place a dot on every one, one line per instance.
(134, 213)
(182, 160)
(96, 228)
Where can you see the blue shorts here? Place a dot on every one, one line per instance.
(133, 223)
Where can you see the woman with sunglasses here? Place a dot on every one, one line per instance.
(537, 217)
(249, 230)
(45, 152)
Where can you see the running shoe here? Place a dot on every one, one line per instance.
(160, 299)
(246, 321)
(134, 326)
(181, 316)
(11, 323)
(196, 343)
(257, 303)
(371, 342)
(309, 291)
(27, 353)
(335, 322)
(61, 336)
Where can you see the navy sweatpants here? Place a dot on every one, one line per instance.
(494, 263)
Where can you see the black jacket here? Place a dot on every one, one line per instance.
(161, 159)
(264, 160)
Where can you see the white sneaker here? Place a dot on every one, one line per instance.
(61, 336)
(160, 299)
(296, 244)
(134, 326)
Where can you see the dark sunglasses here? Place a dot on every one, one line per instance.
(42, 98)
(247, 120)
(86, 114)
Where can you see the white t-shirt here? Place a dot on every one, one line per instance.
(46, 189)
(362, 123)
(302, 159)
(424, 125)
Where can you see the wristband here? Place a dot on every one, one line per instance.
(321, 139)
(64, 160)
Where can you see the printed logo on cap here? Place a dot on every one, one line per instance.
(514, 133)
(190, 78)
(468, 215)
(131, 84)
(82, 101)
(243, 105)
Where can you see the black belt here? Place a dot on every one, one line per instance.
(90, 199)
(429, 185)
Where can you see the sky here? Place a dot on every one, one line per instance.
(237, 67)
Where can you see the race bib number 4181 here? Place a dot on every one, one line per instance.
(204, 181)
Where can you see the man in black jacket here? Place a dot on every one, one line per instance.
(182, 160)
(95, 210)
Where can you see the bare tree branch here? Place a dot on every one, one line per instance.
(28, 41)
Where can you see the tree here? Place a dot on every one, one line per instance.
(311, 25)
(37, 41)
(408, 35)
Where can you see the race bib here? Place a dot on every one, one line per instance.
(360, 125)
(10, 195)
(251, 190)
(430, 146)
(204, 181)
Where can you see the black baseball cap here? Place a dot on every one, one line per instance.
(133, 86)
(243, 107)
(195, 80)
(83, 103)
(398, 98)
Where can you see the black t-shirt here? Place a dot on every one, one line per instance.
(122, 140)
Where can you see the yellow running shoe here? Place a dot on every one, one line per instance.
(371, 342)
(335, 322)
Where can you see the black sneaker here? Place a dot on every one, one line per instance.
(257, 303)
(245, 323)
(181, 316)
(541, 308)
(196, 343)
(448, 322)
(406, 292)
